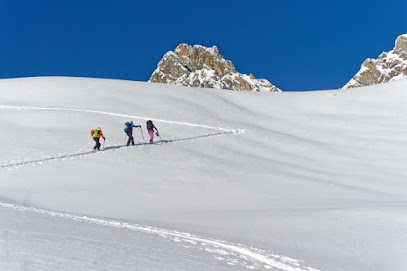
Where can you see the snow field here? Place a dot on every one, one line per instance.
(316, 176)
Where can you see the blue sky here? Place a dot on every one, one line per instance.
(296, 45)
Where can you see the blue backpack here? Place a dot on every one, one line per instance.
(127, 127)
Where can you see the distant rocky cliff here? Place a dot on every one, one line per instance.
(200, 66)
(389, 66)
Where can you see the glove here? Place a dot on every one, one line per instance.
(104, 138)
(139, 126)
(157, 134)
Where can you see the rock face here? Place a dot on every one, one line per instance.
(389, 66)
(200, 66)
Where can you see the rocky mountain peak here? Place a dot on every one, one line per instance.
(401, 43)
(200, 66)
(387, 67)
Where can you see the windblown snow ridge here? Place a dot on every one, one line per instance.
(235, 254)
(235, 131)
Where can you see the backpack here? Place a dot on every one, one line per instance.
(127, 127)
(149, 125)
(94, 132)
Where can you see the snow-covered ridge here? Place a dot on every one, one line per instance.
(200, 66)
(388, 67)
(118, 115)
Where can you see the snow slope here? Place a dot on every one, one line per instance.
(267, 181)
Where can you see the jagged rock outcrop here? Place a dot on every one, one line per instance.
(200, 66)
(389, 66)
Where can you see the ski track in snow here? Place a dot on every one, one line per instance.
(230, 253)
(14, 164)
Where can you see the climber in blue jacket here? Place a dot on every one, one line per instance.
(128, 129)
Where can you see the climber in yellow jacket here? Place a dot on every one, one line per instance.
(96, 134)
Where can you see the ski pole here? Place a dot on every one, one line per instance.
(104, 140)
(141, 130)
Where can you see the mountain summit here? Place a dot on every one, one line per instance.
(200, 66)
(389, 66)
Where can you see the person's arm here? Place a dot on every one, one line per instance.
(101, 134)
(155, 128)
(136, 126)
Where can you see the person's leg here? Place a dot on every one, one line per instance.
(131, 139)
(151, 133)
(97, 142)
(128, 141)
